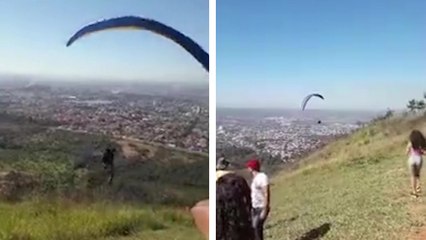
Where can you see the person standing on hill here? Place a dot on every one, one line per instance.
(260, 197)
(415, 149)
(108, 162)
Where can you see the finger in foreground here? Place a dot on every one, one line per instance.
(200, 213)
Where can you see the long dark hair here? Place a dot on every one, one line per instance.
(233, 208)
(418, 141)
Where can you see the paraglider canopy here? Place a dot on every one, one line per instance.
(307, 98)
(133, 22)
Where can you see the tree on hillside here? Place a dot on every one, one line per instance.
(420, 105)
(389, 113)
(411, 105)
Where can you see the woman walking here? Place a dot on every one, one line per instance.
(415, 149)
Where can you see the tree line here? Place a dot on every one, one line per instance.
(417, 105)
(413, 106)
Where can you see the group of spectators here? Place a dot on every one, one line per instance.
(241, 208)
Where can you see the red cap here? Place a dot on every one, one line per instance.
(254, 164)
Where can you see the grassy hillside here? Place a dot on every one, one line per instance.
(355, 188)
(68, 220)
(61, 191)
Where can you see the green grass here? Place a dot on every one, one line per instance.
(67, 220)
(359, 185)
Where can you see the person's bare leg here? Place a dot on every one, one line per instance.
(418, 189)
(418, 176)
(414, 185)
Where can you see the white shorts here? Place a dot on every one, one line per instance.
(415, 165)
(415, 160)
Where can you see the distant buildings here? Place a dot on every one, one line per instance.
(285, 138)
(151, 118)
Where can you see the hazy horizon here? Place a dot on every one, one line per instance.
(326, 115)
(221, 108)
(197, 89)
(70, 79)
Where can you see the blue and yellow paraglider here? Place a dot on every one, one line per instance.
(146, 24)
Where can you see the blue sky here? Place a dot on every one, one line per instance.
(34, 34)
(360, 54)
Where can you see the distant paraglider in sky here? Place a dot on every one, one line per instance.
(307, 98)
(146, 24)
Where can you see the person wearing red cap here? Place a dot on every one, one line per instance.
(260, 197)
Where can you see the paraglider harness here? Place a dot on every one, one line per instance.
(108, 162)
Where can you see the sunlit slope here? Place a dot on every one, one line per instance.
(69, 220)
(355, 188)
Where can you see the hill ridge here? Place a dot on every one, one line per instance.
(358, 186)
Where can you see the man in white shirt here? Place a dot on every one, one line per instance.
(260, 197)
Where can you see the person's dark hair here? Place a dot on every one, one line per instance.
(233, 208)
(417, 140)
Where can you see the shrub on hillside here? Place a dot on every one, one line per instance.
(389, 114)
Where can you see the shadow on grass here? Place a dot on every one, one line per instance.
(281, 222)
(316, 233)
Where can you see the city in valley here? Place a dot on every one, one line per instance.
(283, 134)
(167, 114)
